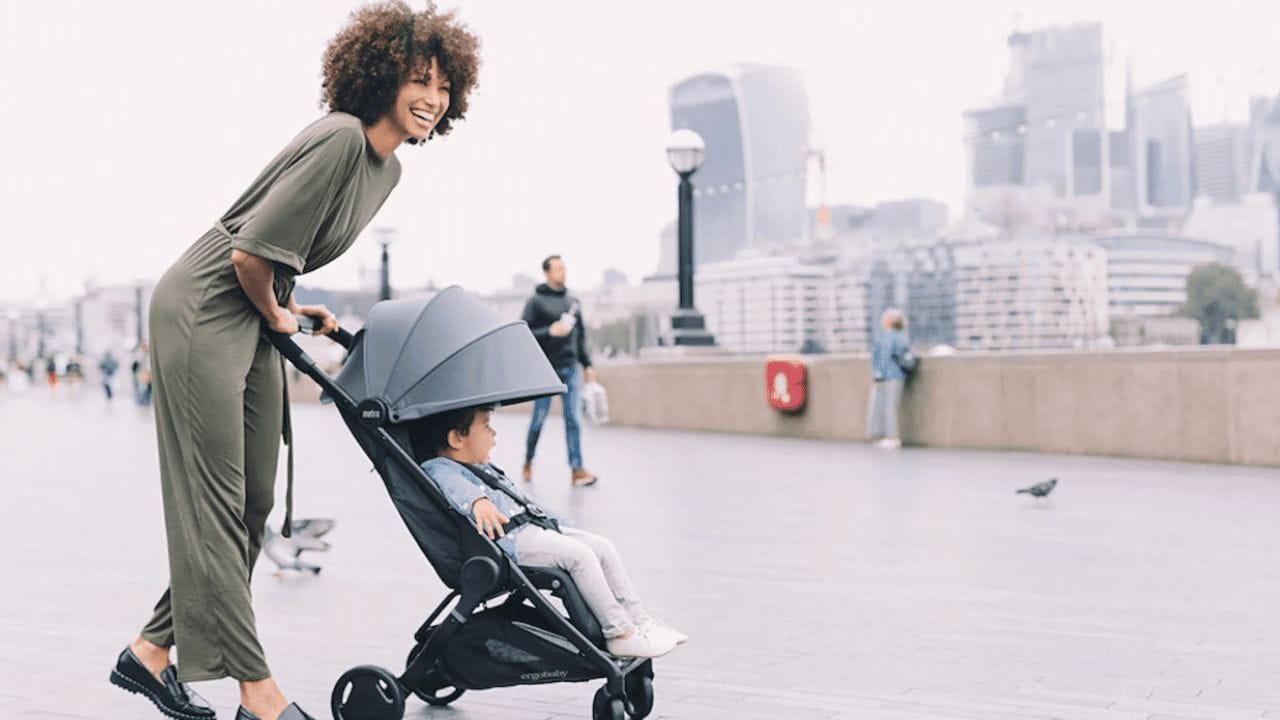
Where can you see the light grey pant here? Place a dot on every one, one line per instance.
(882, 409)
(593, 563)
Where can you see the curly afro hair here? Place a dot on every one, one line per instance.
(369, 60)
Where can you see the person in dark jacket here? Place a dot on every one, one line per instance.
(555, 317)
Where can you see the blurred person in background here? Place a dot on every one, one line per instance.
(108, 366)
(51, 375)
(555, 317)
(891, 364)
(74, 375)
(141, 370)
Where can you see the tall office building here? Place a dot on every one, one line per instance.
(1264, 122)
(1160, 140)
(1248, 228)
(750, 191)
(1223, 161)
(1265, 115)
(1070, 144)
(1236, 204)
(1065, 99)
(1044, 144)
(997, 146)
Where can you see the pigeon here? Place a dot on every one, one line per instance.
(286, 552)
(1040, 490)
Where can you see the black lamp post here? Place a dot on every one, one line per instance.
(385, 236)
(685, 152)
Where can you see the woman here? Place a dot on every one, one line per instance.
(891, 362)
(390, 76)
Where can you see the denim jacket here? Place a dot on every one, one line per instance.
(888, 350)
(463, 488)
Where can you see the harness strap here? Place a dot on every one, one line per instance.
(533, 513)
(526, 518)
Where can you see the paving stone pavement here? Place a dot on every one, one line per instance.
(817, 579)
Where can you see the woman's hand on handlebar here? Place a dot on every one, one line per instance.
(283, 322)
(328, 323)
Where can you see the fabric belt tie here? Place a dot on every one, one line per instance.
(286, 431)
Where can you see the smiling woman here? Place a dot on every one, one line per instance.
(391, 76)
(366, 65)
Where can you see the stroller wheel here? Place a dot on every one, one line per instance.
(604, 707)
(640, 695)
(434, 688)
(367, 692)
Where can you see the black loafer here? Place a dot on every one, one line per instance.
(293, 712)
(171, 697)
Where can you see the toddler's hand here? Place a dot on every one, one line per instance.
(489, 521)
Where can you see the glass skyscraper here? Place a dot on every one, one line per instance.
(750, 191)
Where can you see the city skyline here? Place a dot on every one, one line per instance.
(154, 151)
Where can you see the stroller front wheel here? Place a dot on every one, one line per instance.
(367, 692)
(640, 695)
(604, 707)
(434, 689)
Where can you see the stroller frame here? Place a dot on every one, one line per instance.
(369, 692)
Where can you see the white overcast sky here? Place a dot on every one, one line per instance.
(130, 126)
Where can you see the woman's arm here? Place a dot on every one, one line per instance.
(256, 276)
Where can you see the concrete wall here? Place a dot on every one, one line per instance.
(1202, 405)
(1211, 405)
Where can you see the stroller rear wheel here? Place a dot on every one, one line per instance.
(604, 707)
(434, 689)
(367, 692)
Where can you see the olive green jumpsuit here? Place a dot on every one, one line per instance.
(219, 386)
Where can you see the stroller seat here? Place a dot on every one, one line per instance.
(562, 587)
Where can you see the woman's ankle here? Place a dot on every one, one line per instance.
(262, 698)
(152, 656)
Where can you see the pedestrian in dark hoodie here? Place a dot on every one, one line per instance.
(555, 317)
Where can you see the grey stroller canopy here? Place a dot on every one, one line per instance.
(423, 356)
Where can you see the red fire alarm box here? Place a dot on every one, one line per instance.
(785, 381)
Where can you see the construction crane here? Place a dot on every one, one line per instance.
(823, 231)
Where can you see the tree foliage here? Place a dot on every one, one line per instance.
(1218, 298)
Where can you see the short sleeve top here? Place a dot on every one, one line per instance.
(312, 200)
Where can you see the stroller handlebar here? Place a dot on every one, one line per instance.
(308, 324)
(293, 352)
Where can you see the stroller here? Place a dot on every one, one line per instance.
(497, 626)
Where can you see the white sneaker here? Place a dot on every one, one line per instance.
(656, 625)
(889, 443)
(641, 643)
